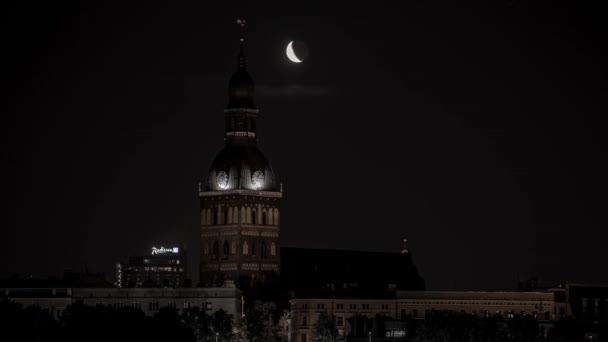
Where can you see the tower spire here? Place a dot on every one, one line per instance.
(241, 59)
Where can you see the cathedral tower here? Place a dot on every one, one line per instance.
(240, 203)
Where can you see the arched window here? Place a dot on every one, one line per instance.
(248, 215)
(213, 217)
(216, 250)
(235, 215)
(206, 248)
(225, 216)
(264, 217)
(264, 251)
(253, 249)
(276, 216)
(245, 248)
(243, 215)
(254, 217)
(273, 249)
(233, 248)
(229, 219)
(270, 216)
(203, 216)
(226, 249)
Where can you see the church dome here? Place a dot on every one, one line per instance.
(241, 167)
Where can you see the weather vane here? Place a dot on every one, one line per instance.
(405, 250)
(242, 23)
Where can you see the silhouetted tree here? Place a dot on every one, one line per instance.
(566, 329)
(325, 329)
(524, 328)
(199, 322)
(446, 326)
(26, 324)
(283, 325)
(259, 323)
(168, 325)
(222, 324)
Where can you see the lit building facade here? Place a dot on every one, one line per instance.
(164, 267)
(148, 300)
(381, 317)
(240, 202)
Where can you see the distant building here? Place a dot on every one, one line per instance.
(149, 300)
(383, 317)
(589, 305)
(164, 267)
(307, 272)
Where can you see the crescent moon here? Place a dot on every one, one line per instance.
(292, 54)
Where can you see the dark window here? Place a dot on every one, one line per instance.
(264, 251)
(226, 249)
(226, 216)
(303, 338)
(304, 320)
(402, 313)
(415, 313)
(213, 217)
(263, 217)
(216, 250)
(253, 249)
(253, 218)
(340, 321)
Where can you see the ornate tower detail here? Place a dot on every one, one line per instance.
(240, 205)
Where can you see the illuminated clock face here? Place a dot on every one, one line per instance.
(257, 179)
(222, 180)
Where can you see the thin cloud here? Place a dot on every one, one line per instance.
(294, 90)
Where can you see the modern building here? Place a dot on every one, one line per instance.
(240, 202)
(383, 317)
(149, 300)
(163, 267)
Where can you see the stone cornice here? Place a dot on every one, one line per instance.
(241, 192)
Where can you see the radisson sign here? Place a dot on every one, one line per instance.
(163, 250)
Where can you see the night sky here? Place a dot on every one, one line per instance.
(474, 131)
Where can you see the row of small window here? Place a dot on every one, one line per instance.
(155, 305)
(465, 303)
(147, 261)
(227, 249)
(340, 306)
(485, 313)
(231, 215)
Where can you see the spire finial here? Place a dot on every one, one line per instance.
(405, 250)
(242, 23)
(241, 59)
